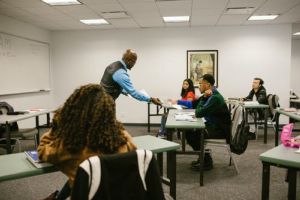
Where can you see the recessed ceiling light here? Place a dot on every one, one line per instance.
(177, 19)
(61, 2)
(94, 21)
(297, 33)
(263, 17)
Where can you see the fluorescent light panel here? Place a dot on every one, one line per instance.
(263, 17)
(61, 2)
(94, 21)
(177, 19)
(297, 33)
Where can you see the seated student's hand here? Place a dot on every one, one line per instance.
(156, 101)
(208, 93)
(172, 101)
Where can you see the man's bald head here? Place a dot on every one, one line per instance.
(129, 57)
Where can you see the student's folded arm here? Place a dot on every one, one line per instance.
(49, 149)
(205, 108)
(130, 145)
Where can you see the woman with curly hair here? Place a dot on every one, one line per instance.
(85, 126)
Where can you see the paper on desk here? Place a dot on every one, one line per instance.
(298, 151)
(250, 102)
(185, 116)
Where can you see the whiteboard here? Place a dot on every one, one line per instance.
(24, 65)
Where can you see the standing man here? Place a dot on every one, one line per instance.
(115, 79)
(212, 107)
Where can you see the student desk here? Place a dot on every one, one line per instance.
(157, 113)
(8, 119)
(295, 103)
(172, 125)
(284, 157)
(291, 115)
(14, 166)
(266, 115)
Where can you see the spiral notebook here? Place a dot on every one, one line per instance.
(32, 156)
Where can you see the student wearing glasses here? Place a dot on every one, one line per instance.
(212, 107)
(116, 80)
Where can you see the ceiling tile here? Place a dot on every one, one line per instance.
(78, 11)
(25, 3)
(123, 23)
(107, 7)
(204, 20)
(232, 19)
(210, 4)
(276, 7)
(245, 3)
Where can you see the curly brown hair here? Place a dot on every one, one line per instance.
(88, 119)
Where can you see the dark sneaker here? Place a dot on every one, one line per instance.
(208, 163)
(251, 136)
(207, 155)
(161, 135)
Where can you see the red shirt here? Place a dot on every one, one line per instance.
(189, 95)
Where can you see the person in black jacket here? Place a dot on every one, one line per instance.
(258, 93)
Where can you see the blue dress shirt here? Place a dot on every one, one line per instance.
(122, 78)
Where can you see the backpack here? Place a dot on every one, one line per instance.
(240, 130)
(273, 102)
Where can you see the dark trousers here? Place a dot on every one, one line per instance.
(193, 137)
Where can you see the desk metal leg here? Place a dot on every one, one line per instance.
(148, 117)
(160, 163)
(265, 181)
(201, 156)
(37, 136)
(266, 125)
(276, 128)
(292, 178)
(171, 169)
(48, 120)
(8, 141)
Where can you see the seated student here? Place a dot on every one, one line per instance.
(187, 97)
(258, 93)
(212, 107)
(85, 126)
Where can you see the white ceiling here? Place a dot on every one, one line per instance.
(147, 13)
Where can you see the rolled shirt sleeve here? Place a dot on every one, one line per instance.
(122, 78)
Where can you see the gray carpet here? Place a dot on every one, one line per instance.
(220, 183)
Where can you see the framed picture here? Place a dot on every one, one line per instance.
(200, 62)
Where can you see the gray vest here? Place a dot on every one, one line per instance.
(108, 83)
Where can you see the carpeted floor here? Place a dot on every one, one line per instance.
(220, 183)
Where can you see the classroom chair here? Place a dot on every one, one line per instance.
(122, 176)
(17, 134)
(237, 115)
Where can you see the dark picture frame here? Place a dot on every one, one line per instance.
(200, 62)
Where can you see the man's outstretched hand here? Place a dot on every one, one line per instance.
(156, 101)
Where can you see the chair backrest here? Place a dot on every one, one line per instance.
(132, 175)
(236, 118)
(4, 109)
(273, 102)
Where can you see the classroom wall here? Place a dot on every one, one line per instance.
(245, 52)
(30, 100)
(295, 66)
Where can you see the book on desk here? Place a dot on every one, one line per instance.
(32, 156)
